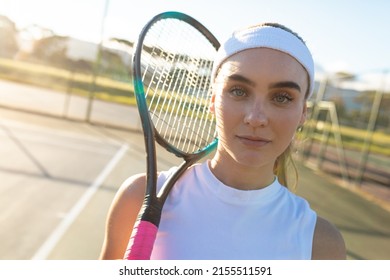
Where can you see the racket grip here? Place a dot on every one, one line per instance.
(141, 241)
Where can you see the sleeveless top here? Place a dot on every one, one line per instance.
(203, 219)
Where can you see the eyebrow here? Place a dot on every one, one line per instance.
(283, 84)
(240, 78)
(286, 84)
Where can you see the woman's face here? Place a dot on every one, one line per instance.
(259, 101)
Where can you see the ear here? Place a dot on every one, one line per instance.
(304, 114)
(212, 103)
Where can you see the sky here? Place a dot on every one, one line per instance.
(343, 35)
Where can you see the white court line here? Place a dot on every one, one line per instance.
(43, 252)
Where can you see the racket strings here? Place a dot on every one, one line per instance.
(197, 119)
(176, 75)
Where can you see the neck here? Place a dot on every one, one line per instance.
(241, 176)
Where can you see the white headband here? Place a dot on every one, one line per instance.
(267, 37)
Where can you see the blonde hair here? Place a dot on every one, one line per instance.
(284, 166)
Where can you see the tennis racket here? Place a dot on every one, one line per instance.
(172, 65)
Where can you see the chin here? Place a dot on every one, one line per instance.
(253, 161)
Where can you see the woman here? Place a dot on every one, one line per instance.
(237, 205)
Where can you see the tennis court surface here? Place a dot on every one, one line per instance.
(57, 181)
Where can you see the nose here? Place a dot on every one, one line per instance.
(256, 114)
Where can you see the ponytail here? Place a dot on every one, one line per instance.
(284, 167)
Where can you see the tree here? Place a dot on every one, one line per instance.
(51, 50)
(8, 34)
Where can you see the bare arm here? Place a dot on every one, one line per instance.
(328, 244)
(122, 216)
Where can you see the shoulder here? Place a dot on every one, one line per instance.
(122, 215)
(133, 189)
(129, 196)
(328, 243)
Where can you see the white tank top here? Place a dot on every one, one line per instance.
(205, 219)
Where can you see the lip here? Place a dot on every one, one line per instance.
(254, 141)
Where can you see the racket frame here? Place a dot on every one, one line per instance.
(151, 135)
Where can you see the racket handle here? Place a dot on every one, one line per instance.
(141, 241)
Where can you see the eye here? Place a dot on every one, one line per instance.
(237, 91)
(282, 98)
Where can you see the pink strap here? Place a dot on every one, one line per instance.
(141, 241)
